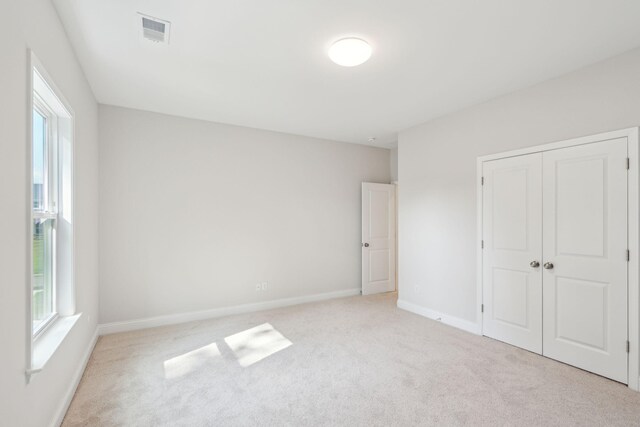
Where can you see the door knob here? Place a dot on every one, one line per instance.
(534, 264)
(548, 265)
(366, 245)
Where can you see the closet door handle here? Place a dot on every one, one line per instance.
(548, 265)
(534, 264)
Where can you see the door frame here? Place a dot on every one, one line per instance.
(633, 235)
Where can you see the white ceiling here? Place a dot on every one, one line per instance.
(264, 64)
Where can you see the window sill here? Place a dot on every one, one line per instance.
(46, 344)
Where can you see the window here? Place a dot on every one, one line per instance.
(51, 207)
(44, 217)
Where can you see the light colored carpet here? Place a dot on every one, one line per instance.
(352, 361)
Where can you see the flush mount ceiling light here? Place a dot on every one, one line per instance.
(350, 52)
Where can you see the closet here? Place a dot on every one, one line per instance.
(555, 251)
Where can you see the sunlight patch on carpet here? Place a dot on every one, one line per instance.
(255, 344)
(191, 361)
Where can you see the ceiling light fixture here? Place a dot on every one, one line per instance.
(350, 52)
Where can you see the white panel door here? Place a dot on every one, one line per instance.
(378, 238)
(585, 257)
(512, 235)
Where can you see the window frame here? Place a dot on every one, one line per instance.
(42, 346)
(50, 203)
(58, 200)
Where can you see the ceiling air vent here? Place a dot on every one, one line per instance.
(155, 29)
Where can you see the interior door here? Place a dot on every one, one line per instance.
(585, 257)
(512, 240)
(378, 238)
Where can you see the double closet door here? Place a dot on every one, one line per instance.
(555, 254)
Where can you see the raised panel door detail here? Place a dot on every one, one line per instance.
(379, 208)
(510, 219)
(510, 297)
(581, 207)
(379, 267)
(582, 309)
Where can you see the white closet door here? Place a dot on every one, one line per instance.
(585, 256)
(512, 234)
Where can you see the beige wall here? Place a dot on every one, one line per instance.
(34, 24)
(194, 214)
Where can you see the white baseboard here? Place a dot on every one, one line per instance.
(62, 411)
(171, 319)
(456, 322)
